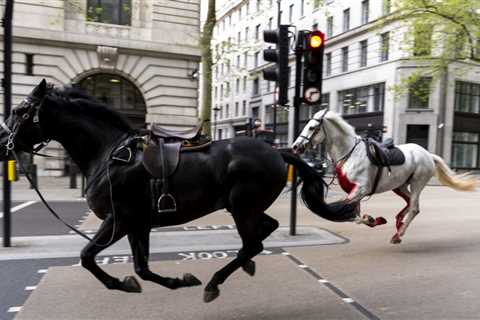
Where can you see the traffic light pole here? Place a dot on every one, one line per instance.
(297, 101)
(7, 102)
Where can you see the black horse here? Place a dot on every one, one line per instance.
(243, 175)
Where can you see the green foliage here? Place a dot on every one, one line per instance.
(437, 32)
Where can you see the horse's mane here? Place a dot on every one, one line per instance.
(78, 101)
(340, 123)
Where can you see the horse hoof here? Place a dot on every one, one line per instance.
(380, 220)
(396, 239)
(130, 284)
(190, 280)
(249, 268)
(210, 295)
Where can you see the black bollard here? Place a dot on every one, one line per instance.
(33, 176)
(73, 177)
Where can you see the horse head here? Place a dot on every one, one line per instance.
(21, 131)
(312, 134)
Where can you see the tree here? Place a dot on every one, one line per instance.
(437, 32)
(207, 63)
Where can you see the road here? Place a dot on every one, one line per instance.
(433, 274)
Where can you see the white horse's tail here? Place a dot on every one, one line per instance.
(461, 182)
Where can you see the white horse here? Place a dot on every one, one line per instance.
(356, 174)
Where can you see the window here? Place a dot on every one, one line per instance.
(29, 64)
(256, 87)
(239, 37)
(244, 107)
(344, 59)
(465, 150)
(346, 20)
(216, 92)
(365, 11)
(290, 13)
(362, 99)
(237, 85)
(110, 11)
(256, 59)
(238, 62)
(227, 89)
(259, 3)
(227, 110)
(270, 23)
(229, 20)
(245, 84)
(330, 27)
(302, 8)
(422, 41)
(384, 46)
(257, 32)
(363, 53)
(119, 93)
(328, 62)
(246, 34)
(236, 109)
(419, 93)
(467, 97)
(460, 39)
(245, 59)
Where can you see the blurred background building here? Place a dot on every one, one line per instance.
(362, 63)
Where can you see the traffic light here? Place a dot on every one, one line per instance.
(278, 72)
(313, 67)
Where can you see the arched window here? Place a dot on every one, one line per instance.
(118, 93)
(110, 11)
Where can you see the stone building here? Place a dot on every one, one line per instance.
(138, 56)
(362, 62)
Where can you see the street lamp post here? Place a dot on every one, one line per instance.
(215, 113)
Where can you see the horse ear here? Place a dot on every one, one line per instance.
(41, 89)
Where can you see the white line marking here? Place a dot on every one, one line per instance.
(348, 300)
(30, 288)
(302, 266)
(19, 207)
(323, 281)
(42, 271)
(285, 253)
(14, 309)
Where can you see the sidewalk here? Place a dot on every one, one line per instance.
(52, 188)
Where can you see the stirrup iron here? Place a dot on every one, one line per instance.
(169, 198)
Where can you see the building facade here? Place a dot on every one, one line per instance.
(138, 56)
(363, 63)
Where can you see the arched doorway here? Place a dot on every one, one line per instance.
(119, 93)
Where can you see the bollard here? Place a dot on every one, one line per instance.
(73, 177)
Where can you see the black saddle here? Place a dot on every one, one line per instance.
(384, 154)
(162, 156)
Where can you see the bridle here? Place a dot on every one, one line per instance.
(33, 106)
(315, 128)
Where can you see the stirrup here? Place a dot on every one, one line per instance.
(167, 196)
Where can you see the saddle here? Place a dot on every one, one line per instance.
(383, 155)
(162, 156)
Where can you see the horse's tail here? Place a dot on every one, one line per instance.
(313, 193)
(462, 182)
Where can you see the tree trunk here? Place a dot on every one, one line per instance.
(207, 62)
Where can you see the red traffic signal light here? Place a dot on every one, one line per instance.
(315, 40)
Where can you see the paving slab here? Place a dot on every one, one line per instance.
(279, 290)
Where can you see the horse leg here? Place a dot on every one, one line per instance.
(108, 233)
(403, 192)
(416, 187)
(140, 245)
(357, 194)
(267, 226)
(247, 226)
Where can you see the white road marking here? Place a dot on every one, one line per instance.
(42, 271)
(348, 300)
(302, 266)
(285, 253)
(323, 281)
(30, 288)
(19, 207)
(14, 309)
